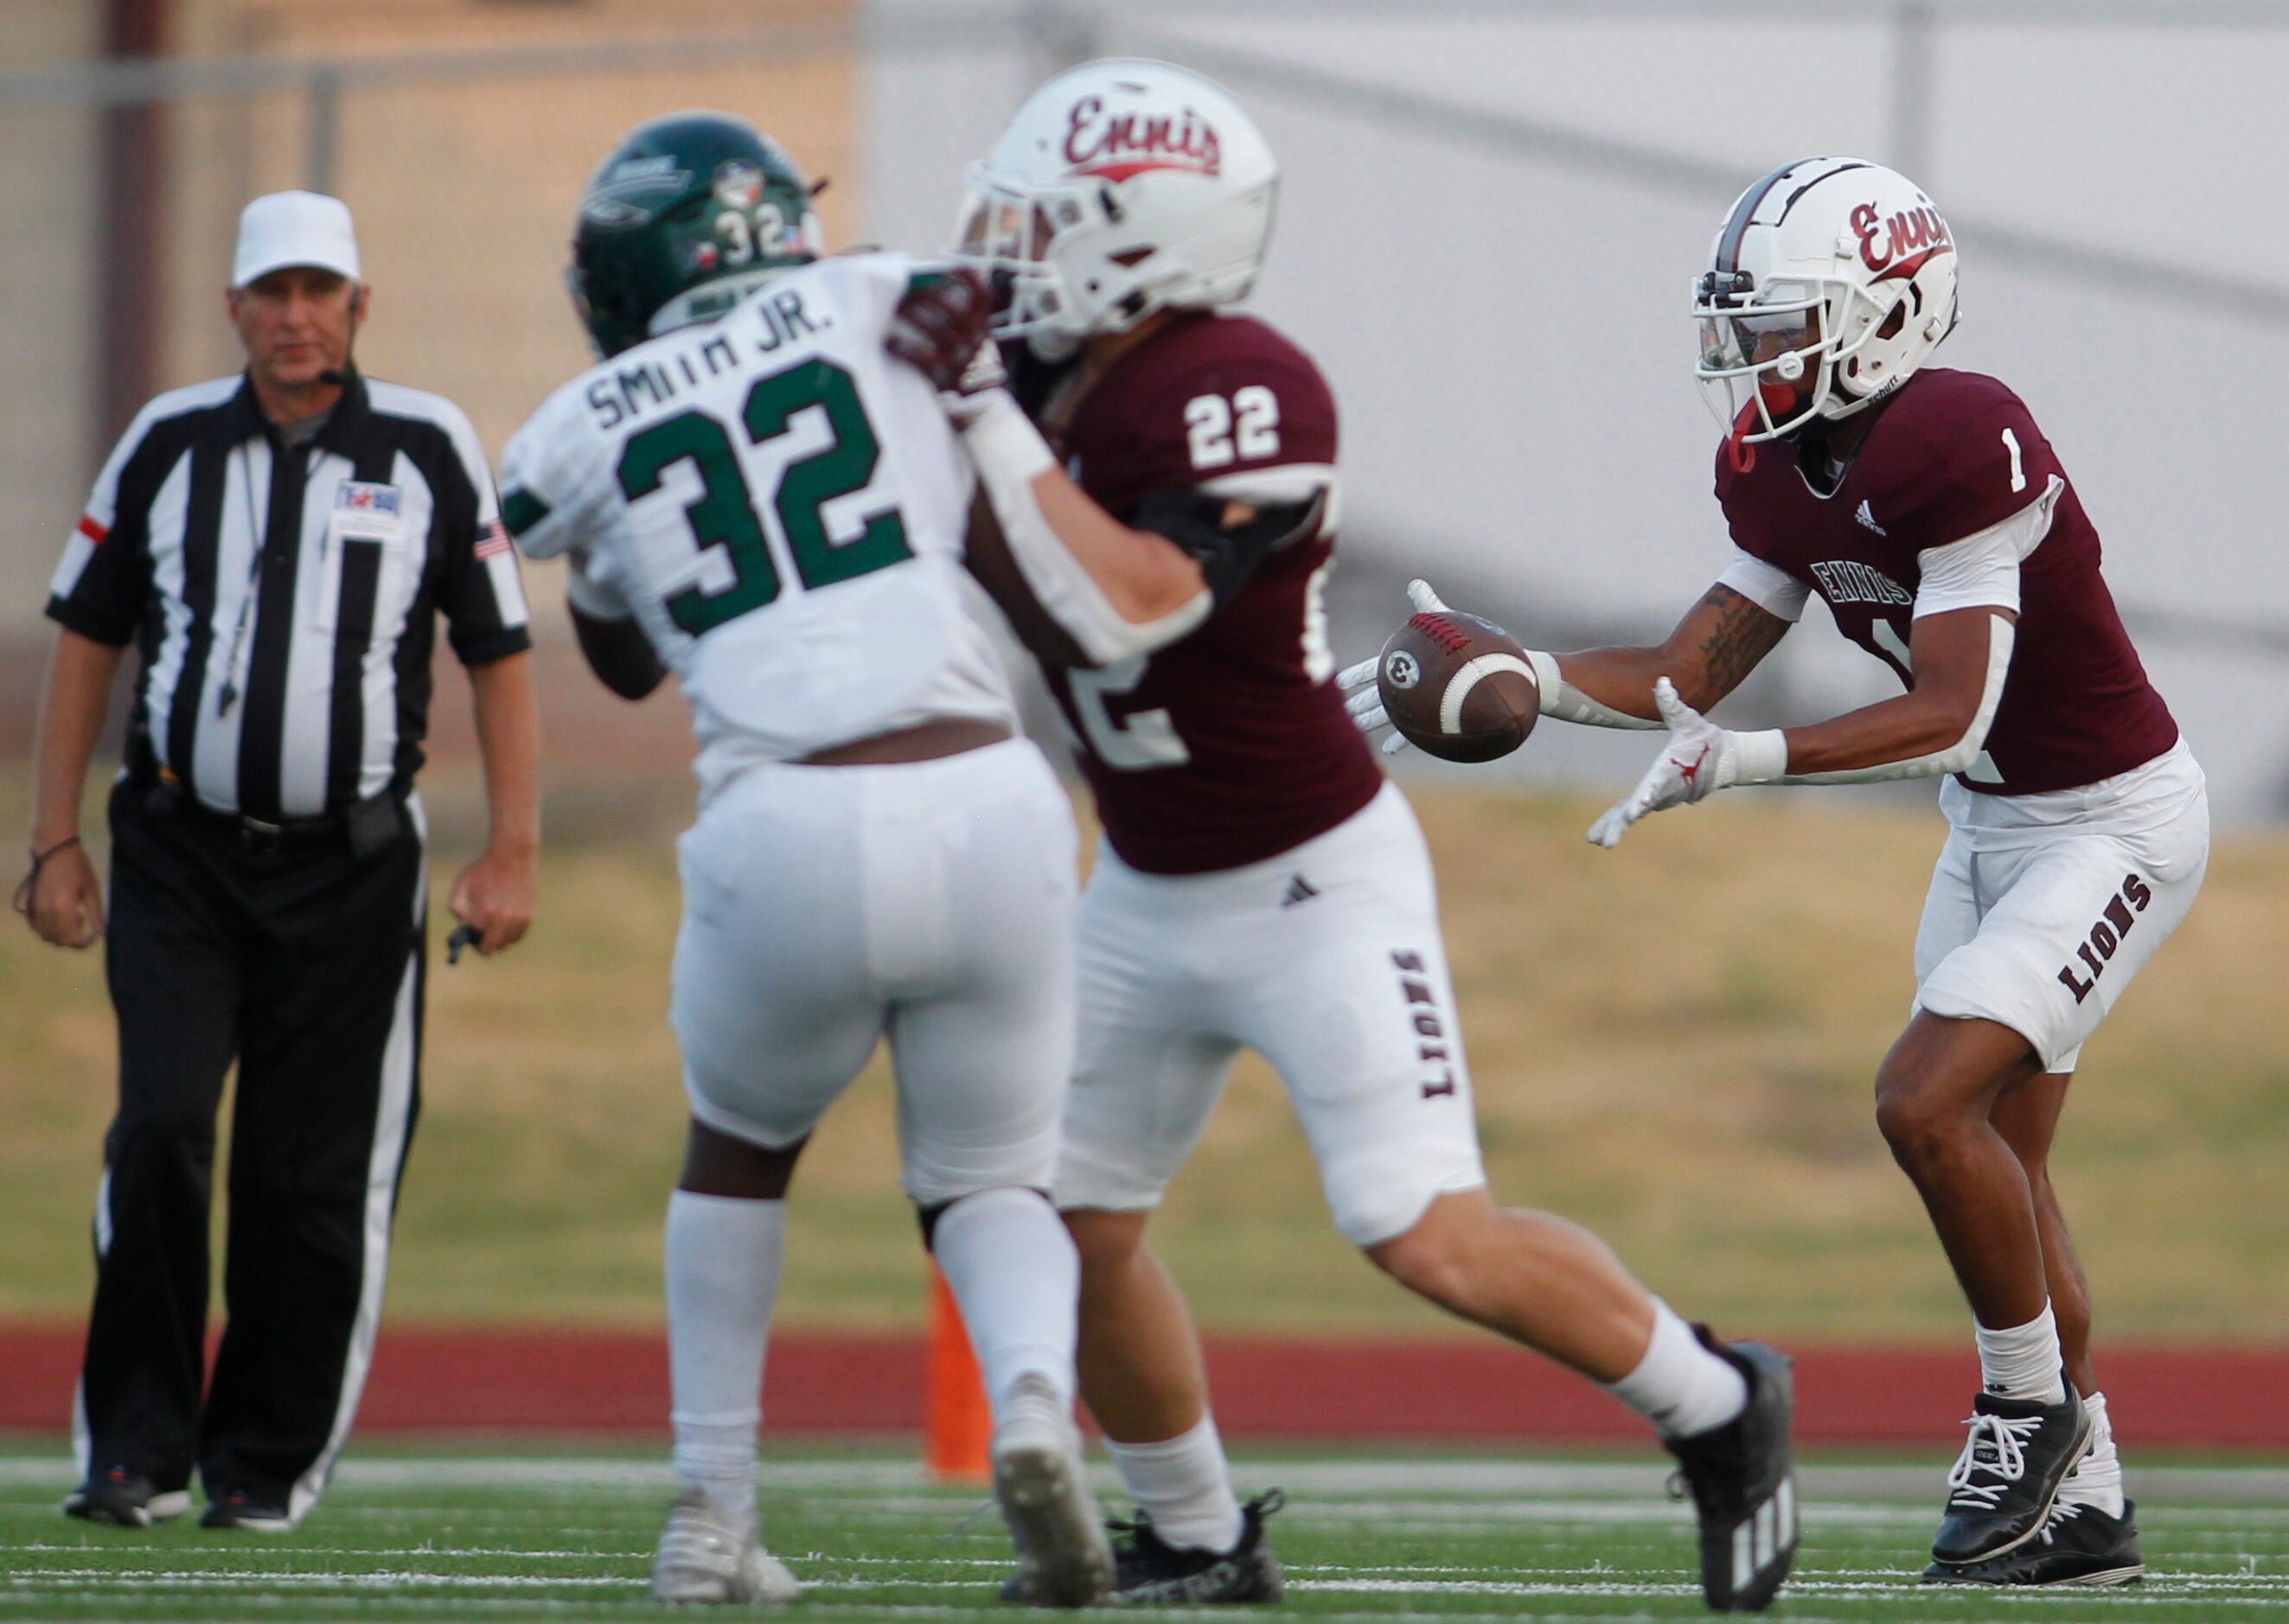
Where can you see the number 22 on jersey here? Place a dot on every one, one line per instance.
(1244, 428)
(724, 515)
(1143, 740)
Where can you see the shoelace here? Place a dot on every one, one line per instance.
(2005, 1458)
(2062, 1511)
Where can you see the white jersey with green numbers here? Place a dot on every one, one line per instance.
(782, 507)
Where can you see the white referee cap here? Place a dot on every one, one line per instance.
(294, 228)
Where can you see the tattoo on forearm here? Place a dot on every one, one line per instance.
(1743, 634)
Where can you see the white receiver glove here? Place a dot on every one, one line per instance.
(1361, 698)
(1700, 758)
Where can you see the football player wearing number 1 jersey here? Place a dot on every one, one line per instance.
(757, 491)
(1261, 885)
(1928, 511)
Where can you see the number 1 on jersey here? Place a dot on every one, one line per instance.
(2018, 467)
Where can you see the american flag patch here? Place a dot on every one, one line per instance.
(494, 542)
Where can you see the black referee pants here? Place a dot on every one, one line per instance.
(304, 965)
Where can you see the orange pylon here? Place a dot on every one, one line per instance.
(961, 1423)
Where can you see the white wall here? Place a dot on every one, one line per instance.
(1509, 338)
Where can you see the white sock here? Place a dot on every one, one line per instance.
(1680, 1386)
(1185, 1484)
(724, 1255)
(2097, 1482)
(1013, 1270)
(2024, 1361)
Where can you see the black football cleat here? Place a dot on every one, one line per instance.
(250, 1510)
(2007, 1477)
(1743, 1487)
(2079, 1544)
(1149, 1572)
(125, 1498)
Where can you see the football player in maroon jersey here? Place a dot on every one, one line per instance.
(1928, 511)
(1261, 884)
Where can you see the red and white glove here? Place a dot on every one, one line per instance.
(1700, 758)
(942, 328)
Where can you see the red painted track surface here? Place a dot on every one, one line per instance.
(538, 1379)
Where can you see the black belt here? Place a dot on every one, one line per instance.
(365, 826)
(254, 833)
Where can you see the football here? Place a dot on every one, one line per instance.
(1458, 686)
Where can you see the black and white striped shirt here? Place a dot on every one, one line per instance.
(284, 596)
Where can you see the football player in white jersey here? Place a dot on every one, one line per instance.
(754, 495)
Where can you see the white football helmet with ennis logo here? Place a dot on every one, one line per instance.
(1120, 187)
(1830, 281)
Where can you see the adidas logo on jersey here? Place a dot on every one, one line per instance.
(1868, 517)
(1299, 890)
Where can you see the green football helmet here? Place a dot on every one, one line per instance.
(682, 219)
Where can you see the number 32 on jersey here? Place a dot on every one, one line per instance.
(723, 513)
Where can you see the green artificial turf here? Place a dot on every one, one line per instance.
(1364, 1536)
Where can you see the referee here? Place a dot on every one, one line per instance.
(277, 544)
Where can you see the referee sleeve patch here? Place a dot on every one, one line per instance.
(521, 510)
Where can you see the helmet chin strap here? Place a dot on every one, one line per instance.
(1773, 402)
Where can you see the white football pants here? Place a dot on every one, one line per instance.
(930, 902)
(1325, 959)
(2042, 907)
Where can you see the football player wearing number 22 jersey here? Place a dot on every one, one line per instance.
(1930, 514)
(1261, 885)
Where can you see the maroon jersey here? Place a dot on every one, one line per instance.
(1231, 745)
(1953, 454)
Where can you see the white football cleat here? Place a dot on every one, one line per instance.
(707, 1557)
(1063, 1559)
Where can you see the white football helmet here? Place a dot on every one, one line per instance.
(1835, 268)
(1120, 187)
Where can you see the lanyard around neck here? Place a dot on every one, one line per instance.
(257, 526)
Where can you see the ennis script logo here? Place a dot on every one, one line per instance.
(1910, 237)
(1115, 146)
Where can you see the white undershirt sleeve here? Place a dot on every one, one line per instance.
(1981, 570)
(1009, 454)
(1567, 702)
(1766, 585)
(1769, 586)
(1957, 757)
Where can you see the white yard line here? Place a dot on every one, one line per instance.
(458, 1606)
(1331, 1480)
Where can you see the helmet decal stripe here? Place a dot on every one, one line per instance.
(1728, 246)
(1841, 169)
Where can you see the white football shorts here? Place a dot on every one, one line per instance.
(1327, 960)
(930, 903)
(2042, 907)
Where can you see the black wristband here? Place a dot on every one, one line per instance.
(22, 900)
